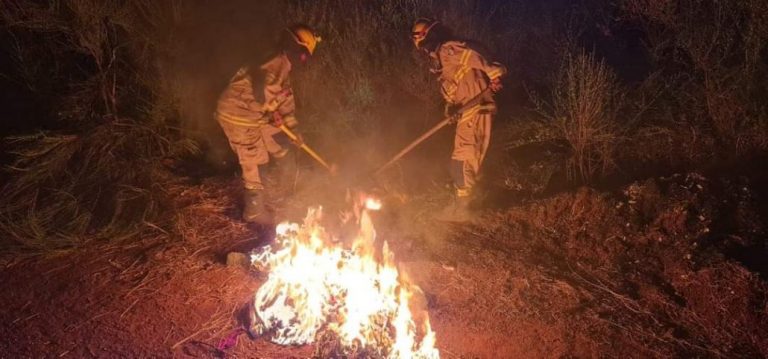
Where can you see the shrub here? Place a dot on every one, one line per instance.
(712, 55)
(584, 111)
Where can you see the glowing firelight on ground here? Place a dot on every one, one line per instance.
(315, 287)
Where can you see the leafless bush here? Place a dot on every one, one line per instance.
(715, 49)
(586, 101)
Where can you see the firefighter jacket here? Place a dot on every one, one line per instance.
(463, 73)
(253, 97)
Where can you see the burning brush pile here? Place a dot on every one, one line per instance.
(344, 296)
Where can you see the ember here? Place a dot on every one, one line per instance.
(316, 287)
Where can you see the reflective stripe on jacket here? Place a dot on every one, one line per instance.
(240, 106)
(464, 72)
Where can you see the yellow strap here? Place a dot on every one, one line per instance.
(474, 110)
(494, 74)
(463, 65)
(272, 106)
(463, 191)
(462, 70)
(451, 90)
(235, 120)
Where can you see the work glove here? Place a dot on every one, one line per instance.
(495, 85)
(290, 121)
(452, 111)
(276, 119)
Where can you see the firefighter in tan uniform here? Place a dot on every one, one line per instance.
(250, 110)
(463, 74)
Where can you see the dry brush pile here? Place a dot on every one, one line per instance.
(95, 175)
(667, 266)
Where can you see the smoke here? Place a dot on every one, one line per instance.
(365, 95)
(214, 40)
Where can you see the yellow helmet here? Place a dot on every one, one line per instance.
(420, 30)
(304, 36)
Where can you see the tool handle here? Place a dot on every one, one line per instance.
(413, 144)
(278, 100)
(304, 147)
(448, 120)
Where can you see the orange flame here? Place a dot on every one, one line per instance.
(314, 284)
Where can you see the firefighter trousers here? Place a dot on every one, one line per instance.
(253, 147)
(470, 145)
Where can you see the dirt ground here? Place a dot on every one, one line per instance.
(668, 267)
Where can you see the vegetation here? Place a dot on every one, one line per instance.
(587, 102)
(125, 86)
(110, 105)
(114, 118)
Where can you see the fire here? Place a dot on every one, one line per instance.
(315, 286)
(372, 204)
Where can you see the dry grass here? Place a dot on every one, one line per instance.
(69, 189)
(123, 66)
(635, 271)
(97, 175)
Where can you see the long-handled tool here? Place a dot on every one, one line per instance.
(298, 141)
(448, 120)
(272, 108)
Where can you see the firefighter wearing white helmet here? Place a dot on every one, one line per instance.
(463, 74)
(250, 110)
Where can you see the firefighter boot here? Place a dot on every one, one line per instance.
(254, 207)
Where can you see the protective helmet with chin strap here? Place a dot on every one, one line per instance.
(420, 30)
(305, 37)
